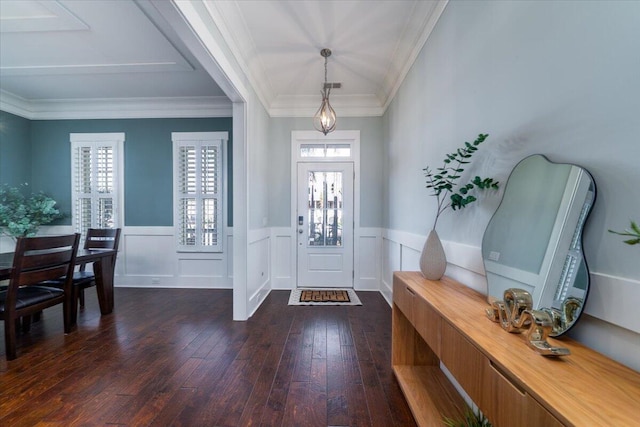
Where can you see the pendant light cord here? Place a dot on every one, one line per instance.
(324, 88)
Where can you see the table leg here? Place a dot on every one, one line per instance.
(103, 271)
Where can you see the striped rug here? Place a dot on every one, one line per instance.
(326, 296)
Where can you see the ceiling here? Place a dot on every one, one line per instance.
(107, 59)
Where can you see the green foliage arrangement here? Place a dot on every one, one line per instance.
(634, 233)
(21, 216)
(444, 182)
(471, 419)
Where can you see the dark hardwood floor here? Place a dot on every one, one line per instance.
(174, 357)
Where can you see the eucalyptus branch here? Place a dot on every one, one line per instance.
(443, 182)
(634, 233)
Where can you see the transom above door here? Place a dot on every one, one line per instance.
(324, 207)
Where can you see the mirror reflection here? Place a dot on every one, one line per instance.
(534, 240)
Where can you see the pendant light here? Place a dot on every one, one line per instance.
(325, 118)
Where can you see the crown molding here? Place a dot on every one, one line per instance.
(226, 15)
(14, 104)
(428, 27)
(116, 108)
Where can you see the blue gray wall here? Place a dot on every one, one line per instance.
(558, 78)
(555, 78)
(15, 150)
(147, 160)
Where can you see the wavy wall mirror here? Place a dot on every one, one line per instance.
(534, 239)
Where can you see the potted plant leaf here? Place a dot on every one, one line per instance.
(633, 232)
(450, 193)
(22, 216)
(471, 419)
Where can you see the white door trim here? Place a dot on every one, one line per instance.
(351, 137)
(193, 24)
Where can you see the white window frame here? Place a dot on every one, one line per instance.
(95, 140)
(199, 139)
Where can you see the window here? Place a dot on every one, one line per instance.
(198, 190)
(96, 180)
(332, 151)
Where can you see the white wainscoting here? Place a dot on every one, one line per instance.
(614, 299)
(283, 250)
(148, 258)
(7, 244)
(401, 252)
(259, 268)
(611, 327)
(367, 253)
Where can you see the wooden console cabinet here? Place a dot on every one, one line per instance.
(444, 321)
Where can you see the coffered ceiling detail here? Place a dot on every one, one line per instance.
(105, 58)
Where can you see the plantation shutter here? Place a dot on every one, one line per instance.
(198, 191)
(95, 191)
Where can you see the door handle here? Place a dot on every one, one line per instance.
(300, 231)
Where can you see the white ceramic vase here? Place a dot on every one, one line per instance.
(433, 261)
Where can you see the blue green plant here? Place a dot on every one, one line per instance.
(22, 216)
(444, 182)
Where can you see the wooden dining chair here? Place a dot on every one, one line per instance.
(37, 260)
(97, 239)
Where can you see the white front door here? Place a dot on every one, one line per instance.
(325, 224)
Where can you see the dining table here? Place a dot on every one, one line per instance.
(103, 267)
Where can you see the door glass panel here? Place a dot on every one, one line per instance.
(325, 208)
(312, 150)
(325, 150)
(338, 150)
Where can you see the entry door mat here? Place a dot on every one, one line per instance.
(326, 296)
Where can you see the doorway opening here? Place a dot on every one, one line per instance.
(325, 208)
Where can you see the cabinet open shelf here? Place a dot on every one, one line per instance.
(444, 321)
(427, 388)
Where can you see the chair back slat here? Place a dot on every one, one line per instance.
(102, 238)
(46, 243)
(38, 259)
(43, 258)
(41, 274)
(100, 244)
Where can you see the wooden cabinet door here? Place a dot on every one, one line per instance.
(537, 415)
(467, 364)
(403, 298)
(502, 402)
(428, 324)
(506, 404)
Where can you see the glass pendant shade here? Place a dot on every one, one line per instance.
(325, 118)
